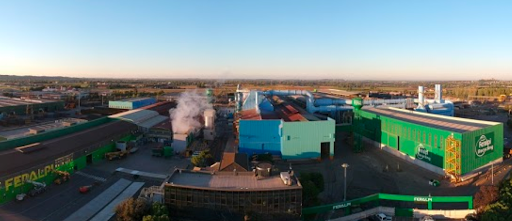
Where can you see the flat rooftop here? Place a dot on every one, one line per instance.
(12, 161)
(455, 124)
(48, 126)
(228, 181)
(135, 99)
(8, 102)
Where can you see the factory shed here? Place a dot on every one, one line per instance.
(445, 145)
(20, 106)
(78, 144)
(145, 119)
(132, 103)
(287, 131)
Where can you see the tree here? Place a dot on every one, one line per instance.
(485, 196)
(131, 209)
(312, 185)
(158, 212)
(203, 159)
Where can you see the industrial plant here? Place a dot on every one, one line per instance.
(236, 156)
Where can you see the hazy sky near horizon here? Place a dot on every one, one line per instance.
(345, 39)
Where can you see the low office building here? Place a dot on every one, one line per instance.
(214, 193)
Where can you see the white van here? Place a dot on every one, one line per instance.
(383, 217)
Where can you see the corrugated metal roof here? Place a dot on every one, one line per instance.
(143, 118)
(136, 99)
(12, 161)
(250, 114)
(454, 124)
(8, 102)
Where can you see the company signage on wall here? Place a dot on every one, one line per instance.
(341, 206)
(422, 199)
(35, 174)
(423, 153)
(484, 144)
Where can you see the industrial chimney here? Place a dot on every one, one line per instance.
(438, 94)
(421, 98)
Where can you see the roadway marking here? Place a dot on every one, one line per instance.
(101, 179)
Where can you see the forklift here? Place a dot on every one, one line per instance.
(62, 176)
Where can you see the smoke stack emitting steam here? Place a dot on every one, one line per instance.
(185, 116)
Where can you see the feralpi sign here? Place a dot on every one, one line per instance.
(423, 153)
(484, 144)
(341, 206)
(35, 174)
(422, 199)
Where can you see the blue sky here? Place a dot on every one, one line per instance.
(343, 39)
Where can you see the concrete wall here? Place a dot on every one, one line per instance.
(417, 213)
(443, 214)
(389, 211)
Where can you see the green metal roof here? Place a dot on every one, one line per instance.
(454, 124)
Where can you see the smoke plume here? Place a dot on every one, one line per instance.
(185, 117)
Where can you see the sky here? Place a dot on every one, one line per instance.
(279, 39)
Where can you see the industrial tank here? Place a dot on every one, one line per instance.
(263, 169)
(209, 118)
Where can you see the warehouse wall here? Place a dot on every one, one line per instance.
(9, 144)
(301, 140)
(13, 184)
(142, 103)
(22, 109)
(470, 145)
(260, 136)
(120, 105)
(421, 142)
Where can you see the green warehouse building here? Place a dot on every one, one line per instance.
(445, 145)
(22, 106)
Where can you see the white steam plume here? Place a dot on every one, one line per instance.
(185, 117)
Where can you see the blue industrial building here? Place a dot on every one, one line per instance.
(132, 103)
(260, 136)
(281, 128)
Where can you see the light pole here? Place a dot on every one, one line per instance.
(345, 165)
(492, 173)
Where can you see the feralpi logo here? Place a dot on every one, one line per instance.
(423, 153)
(422, 199)
(484, 144)
(341, 206)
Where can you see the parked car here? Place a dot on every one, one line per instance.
(383, 217)
(427, 218)
(433, 182)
